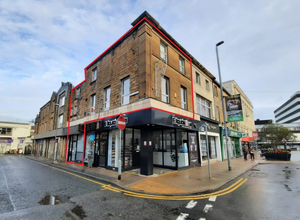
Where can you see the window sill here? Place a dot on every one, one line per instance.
(93, 82)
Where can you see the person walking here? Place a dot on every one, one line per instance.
(245, 152)
(251, 152)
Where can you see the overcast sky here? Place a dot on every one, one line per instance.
(46, 42)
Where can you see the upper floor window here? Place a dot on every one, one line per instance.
(60, 121)
(125, 91)
(165, 89)
(78, 91)
(93, 104)
(163, 51)
(5, 131)
(75, 110)
(217, 113)
(183, 98)
(94, 74)
(198, 78)
(62, 100)
(181, 65)
(107, 98)
(215, 91)
(207, 85)
(203, 106)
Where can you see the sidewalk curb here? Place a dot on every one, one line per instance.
(106, 181)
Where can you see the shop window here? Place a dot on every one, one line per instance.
(157, 147)
(113, 146)
(182, 148)
(89, 147)
(165, 89)
(93, 104)
(181, 65)
(163, 51)
(125, 91)
(169, 148)
(94, 74)
(183, 98)
(107, 98)
(211, 147)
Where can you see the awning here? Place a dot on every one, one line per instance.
(247, 139)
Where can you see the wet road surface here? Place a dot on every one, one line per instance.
(272, 191)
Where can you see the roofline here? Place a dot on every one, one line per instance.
(15, 123)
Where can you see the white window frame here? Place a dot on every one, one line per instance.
(198, 78)
(207, 85)
(125, 99)
(163, 51)
(62, 101)
(181, 65)
(93, 104)
(204, 104)
(94, 74)
(183, 93)
(60, 121)
(107, 92)
(165, 89)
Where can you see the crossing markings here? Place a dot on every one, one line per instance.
(191, 204)
(208, 207)
(182, 216)
(222, 192)
(212, 199)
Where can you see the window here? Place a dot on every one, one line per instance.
(75, 110)
(183, 98)
(198, 78)
(5, 131)
(125, 91)
(207, 85)
(215, 91)
(217, 113)
(60, 121)
(203, 106)
(45, 126)
(181, 65)
(72, 111)
(93, 104)
(62, 101)
(107, 98)
(94, 74)
(78, 91)
(211, 147)
(163, 51)
(165, 89)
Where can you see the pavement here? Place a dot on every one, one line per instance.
(180, 182)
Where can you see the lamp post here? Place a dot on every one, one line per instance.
(224, 117)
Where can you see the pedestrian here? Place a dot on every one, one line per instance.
(245, 152)
(251, 152)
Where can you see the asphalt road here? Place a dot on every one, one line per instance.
(272, 191)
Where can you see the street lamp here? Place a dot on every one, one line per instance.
(225, 127)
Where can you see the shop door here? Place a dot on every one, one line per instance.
(102, 149)
(136, 148)
(96, 151)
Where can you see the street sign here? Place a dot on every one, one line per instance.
(121, 123)
(283, 140)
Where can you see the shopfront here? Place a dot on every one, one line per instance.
(151, 138)
(5, 145)
(213, 149)
(234, 143)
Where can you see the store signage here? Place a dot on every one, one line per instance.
(181, 122)
(193, 149)
(113, 122)
(234, 108)
(6, 140)
(210, 127)
(121, 123)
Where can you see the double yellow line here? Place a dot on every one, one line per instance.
(222, 192)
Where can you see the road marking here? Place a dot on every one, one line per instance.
(202, 218)
(191, 204)
(5, 180)
(182, 216)
(212, 199)
(225, 191)
(207, 208)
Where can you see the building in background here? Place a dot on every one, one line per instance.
(51, 124)
(289, 112)
(246, 127)
(14, 137)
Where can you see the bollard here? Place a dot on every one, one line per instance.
(119, 170)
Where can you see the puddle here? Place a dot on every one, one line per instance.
(77, 210)
(53, 200)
